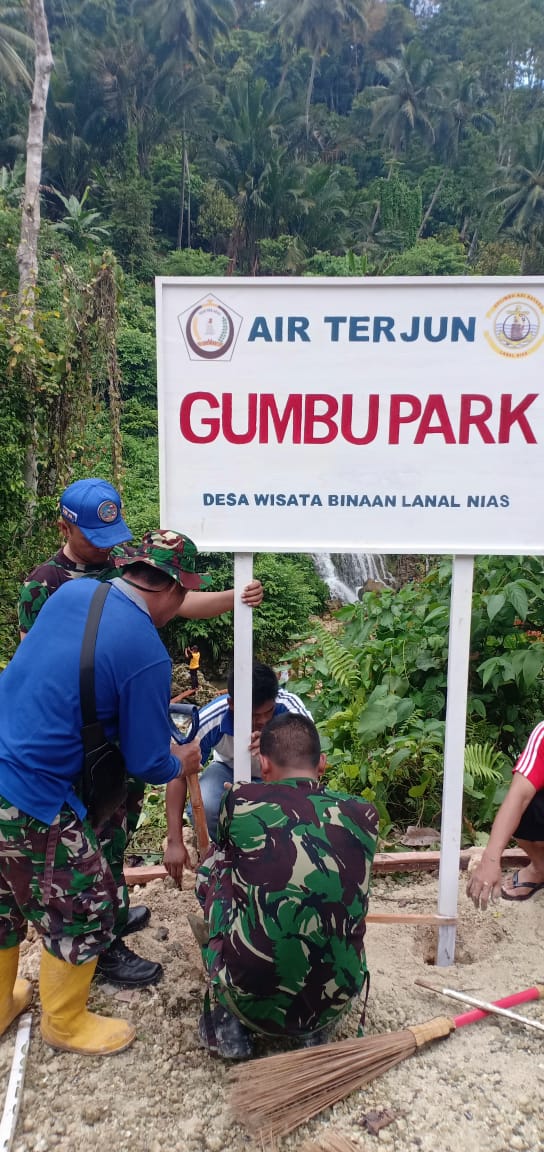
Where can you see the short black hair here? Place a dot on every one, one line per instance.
(265, 684)
(153, 578)
(291, 740)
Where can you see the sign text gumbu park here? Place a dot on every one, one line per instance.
(380, 415)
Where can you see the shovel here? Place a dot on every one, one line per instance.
(193, 782)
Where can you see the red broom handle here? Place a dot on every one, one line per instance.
(535, 993)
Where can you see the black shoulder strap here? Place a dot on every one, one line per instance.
(86, 660)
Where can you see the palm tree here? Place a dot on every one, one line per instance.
(520, 195)
(188, 29)
(317, 25)
(12, 42)
(250, 159)
(462, 109)
(405, 105)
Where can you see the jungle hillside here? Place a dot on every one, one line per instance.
(267, 137)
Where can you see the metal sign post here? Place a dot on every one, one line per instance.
(243, 660)
(454, 752)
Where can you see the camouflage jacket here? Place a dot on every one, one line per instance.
(44, 580)
(286, 894)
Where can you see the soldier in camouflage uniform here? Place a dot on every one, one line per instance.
(94, 532)
(53, 872)
(285, 895)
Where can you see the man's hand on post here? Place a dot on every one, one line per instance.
(252, 594)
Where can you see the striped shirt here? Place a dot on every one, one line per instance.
(216, 728)
(531, 761)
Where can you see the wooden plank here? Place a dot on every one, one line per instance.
(384, 862)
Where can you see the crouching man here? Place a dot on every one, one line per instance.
(285, 895)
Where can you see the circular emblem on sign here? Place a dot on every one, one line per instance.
(516, 323)
(107, 511)
(209, 330)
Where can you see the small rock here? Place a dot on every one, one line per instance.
(161, 934)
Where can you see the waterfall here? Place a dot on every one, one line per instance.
(347, 573)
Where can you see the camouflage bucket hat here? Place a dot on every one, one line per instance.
(172, 552)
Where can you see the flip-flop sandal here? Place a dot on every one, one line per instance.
(507, 893)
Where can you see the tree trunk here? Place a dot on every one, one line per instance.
(27, 252)
(432, 203)
(310, 89)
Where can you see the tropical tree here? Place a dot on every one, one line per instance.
(13, 43)
(80, 224)
(520, 195)
(317, 26)
(251, 161)
(405, 106)
(188, 29)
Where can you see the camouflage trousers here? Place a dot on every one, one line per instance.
(114, 836)
(56, 877)
(266, 1013)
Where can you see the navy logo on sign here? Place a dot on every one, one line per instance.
(210, 329)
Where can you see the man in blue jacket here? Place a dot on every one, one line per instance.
(95, 536)
(53, 872)
(216, 735)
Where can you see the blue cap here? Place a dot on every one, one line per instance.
(94, 506)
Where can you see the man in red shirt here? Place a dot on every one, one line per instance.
(520, 817)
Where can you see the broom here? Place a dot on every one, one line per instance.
(286, 1090)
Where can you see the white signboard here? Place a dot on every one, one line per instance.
(383, 415)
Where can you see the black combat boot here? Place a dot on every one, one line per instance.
(119, 965)
(138, 918)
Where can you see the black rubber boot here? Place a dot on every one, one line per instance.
(225, 1035)
(138, 918)
(121, 966)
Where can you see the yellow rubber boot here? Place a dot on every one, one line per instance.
(66, 1024)
(15, 995)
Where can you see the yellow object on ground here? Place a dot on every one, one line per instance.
(15, 994)
(66, 1023)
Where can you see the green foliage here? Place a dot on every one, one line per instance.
(400, 209)
(281, 257)
(325, 264)
(217, 216)
(193, 262)
(138, 364)
(377, 689)
(293, 592)
(428, 258)
(80, 224)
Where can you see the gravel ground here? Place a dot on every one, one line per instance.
(481, 1090)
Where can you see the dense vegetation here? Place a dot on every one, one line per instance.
(266, 137)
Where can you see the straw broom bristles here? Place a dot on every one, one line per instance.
(286, 1090)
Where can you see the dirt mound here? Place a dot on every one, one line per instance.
(481, 1090)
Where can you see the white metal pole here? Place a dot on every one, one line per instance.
(454, 752)
(243, 661)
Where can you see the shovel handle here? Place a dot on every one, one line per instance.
(199, 815)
